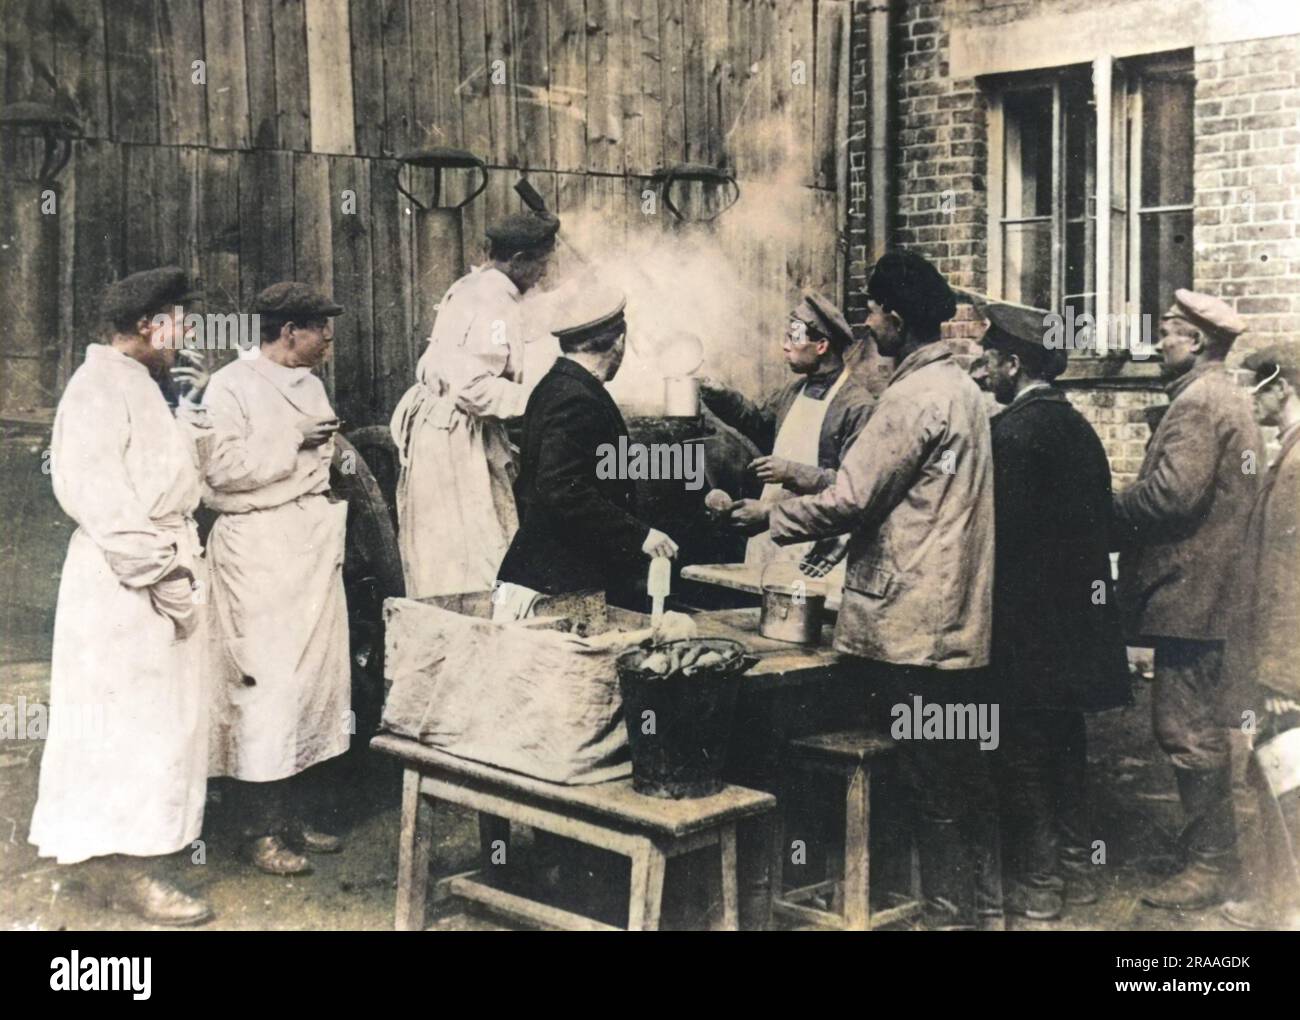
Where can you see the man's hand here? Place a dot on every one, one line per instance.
(821, 559)
(772, 470)
(748, 515)
(710, 386)
(317, 431)
(190, 373)
(658, 544)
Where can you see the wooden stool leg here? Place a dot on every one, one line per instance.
(728, 918)
(413, 854)
(646, 889)
(857, 852)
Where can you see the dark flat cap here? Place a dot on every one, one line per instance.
(1022, 330)
(526, 231)
(908, 284)
(289, 299)
(590, 313)
(145, 293)
(821, 313)
(1273, 363)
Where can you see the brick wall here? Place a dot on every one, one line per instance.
(1248, 183)
(1247, 178)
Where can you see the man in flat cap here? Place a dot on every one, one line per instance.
(1264, 649)
(1057, 645)
(914, 492)
(124, 771)
(808, 423)
(282, 679)
(1181, 526)
(456, 513)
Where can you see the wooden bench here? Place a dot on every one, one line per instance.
(847, 755)
(612, 816)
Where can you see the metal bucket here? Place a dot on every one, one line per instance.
(683, 754)
(681, 396)
(792, 610)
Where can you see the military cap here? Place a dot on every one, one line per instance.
(1207, 313)
(908, 284)
(526, 231)
(1273, 363)
(1022, 330)
(591, 313)
(145, 293)
(290, 299)
(820, 313)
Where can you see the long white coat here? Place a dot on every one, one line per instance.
(455, 499)
(124, 768)
(281, 678)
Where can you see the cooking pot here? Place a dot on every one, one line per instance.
(681, 396)
(793, 608)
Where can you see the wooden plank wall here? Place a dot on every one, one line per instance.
(282, 163)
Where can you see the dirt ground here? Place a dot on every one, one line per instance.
(1135, 809)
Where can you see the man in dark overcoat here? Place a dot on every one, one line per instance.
(1058, 650)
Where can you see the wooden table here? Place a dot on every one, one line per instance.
(647, 830)
(743, 577)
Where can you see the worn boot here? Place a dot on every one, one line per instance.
(131, 884)
(272, 855)
(946, 879)
(1037, 903)
(1211, 844)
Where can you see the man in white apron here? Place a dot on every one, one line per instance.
(123, 775)
(281, 697)
(807, 425)
(455, 505)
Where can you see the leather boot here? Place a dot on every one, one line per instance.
(270, 854)
(946, 880)
(1037, 903)
(1258, 914)
(306, 839)
(130, 885)
(1211, 840)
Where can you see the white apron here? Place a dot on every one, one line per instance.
(455, 495)
(124, 765)
(798, 441)
(281, 671)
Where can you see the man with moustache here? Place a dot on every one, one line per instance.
(282, 676)
(1181, 527)
(1057, 645)
(914, 492)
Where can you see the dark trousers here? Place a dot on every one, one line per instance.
(1041, 770)
(1186, 712)
(949, 783)
(1189, 723)
(277, 807)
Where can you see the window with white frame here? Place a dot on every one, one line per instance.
(1114, 135)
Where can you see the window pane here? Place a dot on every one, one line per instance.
(1027, 263)
(1028, 118)
(1166, 259)
(1080, 148)
(1167, 101)
(1080, 265)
